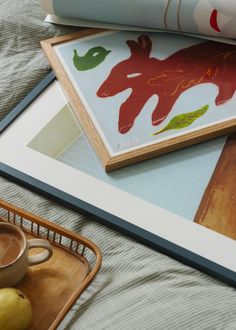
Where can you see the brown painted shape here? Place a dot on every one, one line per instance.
(217, 209)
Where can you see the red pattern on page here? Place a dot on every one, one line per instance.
(213, 20)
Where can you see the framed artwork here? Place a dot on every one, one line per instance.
(139, 95)
(180, 203)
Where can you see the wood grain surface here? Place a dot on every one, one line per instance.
(217, 209)
(51, 284)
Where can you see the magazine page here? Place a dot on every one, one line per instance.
(213, 18)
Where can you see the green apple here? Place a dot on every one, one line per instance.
(15, 310)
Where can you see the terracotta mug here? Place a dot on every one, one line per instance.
(14, 259)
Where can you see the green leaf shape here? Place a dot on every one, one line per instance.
(183, 120)
(91, 59)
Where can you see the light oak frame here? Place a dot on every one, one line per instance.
(109, 162)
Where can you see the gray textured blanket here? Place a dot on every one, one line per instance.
(137, 287)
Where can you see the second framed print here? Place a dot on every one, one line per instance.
(142, 95)
(181, 204)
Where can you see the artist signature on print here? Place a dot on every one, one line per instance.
(129, 144)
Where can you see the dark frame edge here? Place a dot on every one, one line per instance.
(140, 235)
(36, 91)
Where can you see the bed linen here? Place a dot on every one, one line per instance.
(137, 287)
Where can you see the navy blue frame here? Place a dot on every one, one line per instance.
(123, 226)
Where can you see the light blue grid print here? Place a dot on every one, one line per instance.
(175, 182)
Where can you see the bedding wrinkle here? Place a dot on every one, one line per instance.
(137, 287)
(22, 62)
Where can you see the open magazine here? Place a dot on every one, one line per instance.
(211, 19)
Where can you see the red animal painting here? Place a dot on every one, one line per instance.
(207, 62)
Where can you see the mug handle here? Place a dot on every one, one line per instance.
(40, 257)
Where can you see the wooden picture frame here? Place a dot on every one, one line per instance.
(185, 228)
(217, 113)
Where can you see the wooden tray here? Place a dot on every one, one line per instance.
(55, 285)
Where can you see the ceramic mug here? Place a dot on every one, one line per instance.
(14, 258)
